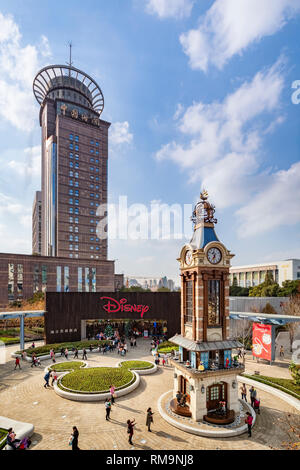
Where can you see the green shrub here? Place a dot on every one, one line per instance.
(137, 365)
(65, 366)
(3, 434)
(285, 385)
(45, 350)
(167, 346)
(97, 379)
(295, 371)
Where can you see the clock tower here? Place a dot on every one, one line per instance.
(205, 372)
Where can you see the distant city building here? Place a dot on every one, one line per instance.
(254, 274)
(152, 284)
(37, 224)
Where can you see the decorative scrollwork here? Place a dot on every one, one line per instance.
(204, 211)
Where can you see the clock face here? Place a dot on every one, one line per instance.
(188, 257)
(214, 255)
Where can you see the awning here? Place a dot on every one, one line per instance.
(204, 346)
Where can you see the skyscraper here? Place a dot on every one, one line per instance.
(37, 224)
(74, 162)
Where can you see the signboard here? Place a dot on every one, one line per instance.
(262, 341)
(113, 306)
(146, 333)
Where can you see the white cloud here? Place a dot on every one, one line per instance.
(222, 140)
(230, 26)
(18, 64)
(170, 8)
(277, 204)
(119, 133)
(31, 164)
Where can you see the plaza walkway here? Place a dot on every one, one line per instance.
(23, 397)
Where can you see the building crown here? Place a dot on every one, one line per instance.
(204, 211)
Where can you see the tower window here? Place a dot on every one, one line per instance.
(213, 303)
(188, 302)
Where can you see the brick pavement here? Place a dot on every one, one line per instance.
(23, 397)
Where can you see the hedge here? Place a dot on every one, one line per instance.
(167, 347)
(45, 350)
(3, 434)
(97, 379)
(137, 365)
(285, 385)
(65, 366)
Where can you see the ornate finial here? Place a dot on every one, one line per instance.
(204, 211)
(204, 195)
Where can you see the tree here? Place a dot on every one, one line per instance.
(292, 308)
(295, 372)
(289, 288)
(163, 289)
(268, 308)
(134, 289)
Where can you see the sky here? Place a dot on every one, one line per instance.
(200, 94)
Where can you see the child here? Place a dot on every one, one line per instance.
(256, 406)
(163, 362)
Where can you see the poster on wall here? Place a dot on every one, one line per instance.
(262, 341)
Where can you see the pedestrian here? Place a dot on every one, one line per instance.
(74, 439)
(112, 394)
(149, 418)
(244, 392)
(17, 363)
(130, 426)
(281, 352)
(125, 348)
(66, 353)
(84, 356)
(54, 377)
(163, 361)
(253, 395)
(52, 355)
(11, 440)
(76, 353)
(107, 408)
(33, 360)
(33, 345)
(134, 343)
(257, 406)
(62, 352)
(46, 378)
(249, 421)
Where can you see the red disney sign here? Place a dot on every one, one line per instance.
(114, 306)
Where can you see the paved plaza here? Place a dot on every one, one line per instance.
(23, 397)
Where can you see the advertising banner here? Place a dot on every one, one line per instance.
(262, 341)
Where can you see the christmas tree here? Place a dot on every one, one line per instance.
(108, 331)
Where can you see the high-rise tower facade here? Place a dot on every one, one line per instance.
(74, 163)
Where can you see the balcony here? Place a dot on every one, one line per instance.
(213, 369)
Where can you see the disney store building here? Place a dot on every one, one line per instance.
(77, 316)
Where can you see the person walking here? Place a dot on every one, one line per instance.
(112, 394)
(107, 408)
(75, 353)
(17, 363)
(74, 439)
(84, 356)
(149, 419)
(253, 395)
(244, 392)
(66, 353)
(130, 426)
(33, 360)
(46, 378)
(54, 377)
(249, 421)
(52, 355)
(257, 406)
(281, 352)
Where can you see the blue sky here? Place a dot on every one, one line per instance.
(199, 95)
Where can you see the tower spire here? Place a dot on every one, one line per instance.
(70, 63)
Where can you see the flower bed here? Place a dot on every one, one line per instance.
(167, 347)
(3, 434)
(137, 365)
(96, 380)
(45, 350)
(67, 366)
(285, 385)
